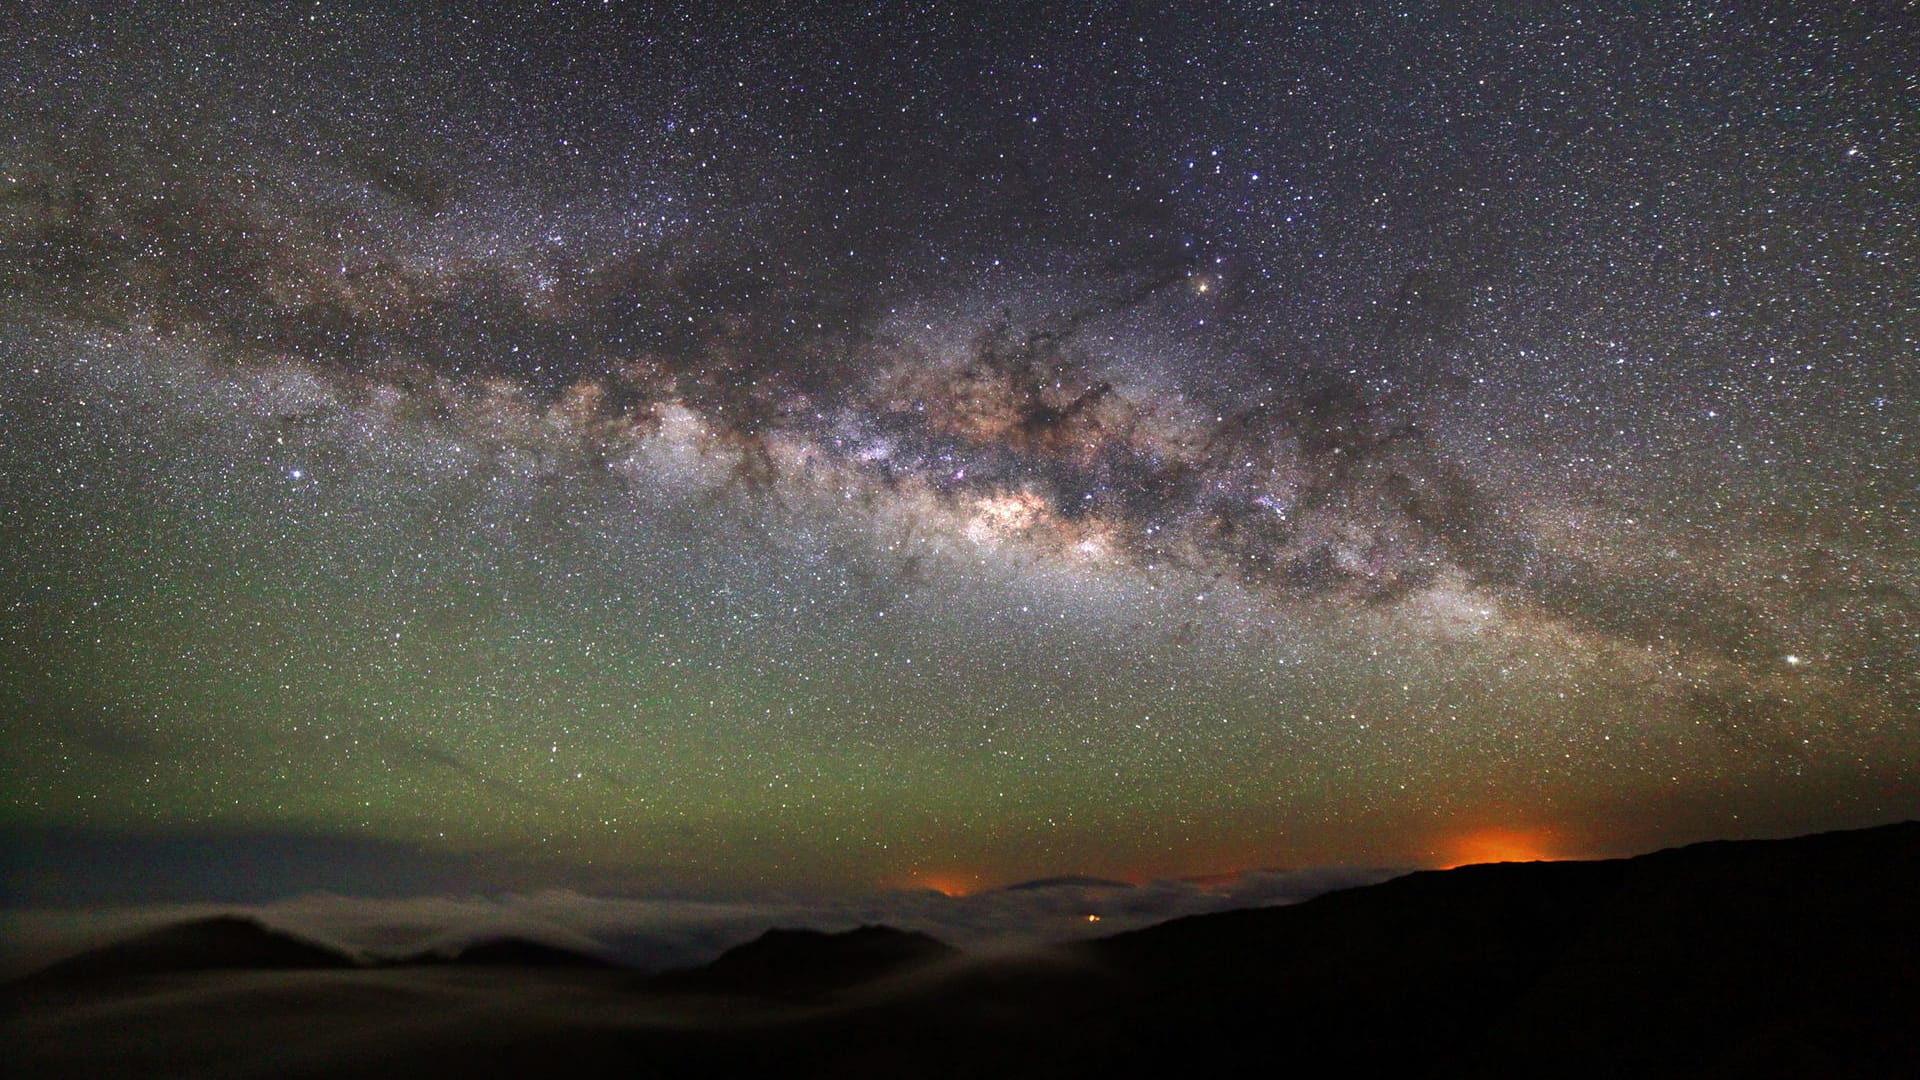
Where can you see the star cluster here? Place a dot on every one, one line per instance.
(901, 446)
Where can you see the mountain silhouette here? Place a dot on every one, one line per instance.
(798, 963)
(1754, 958)
(1072, 881)
(1742, 957)
(219, 943)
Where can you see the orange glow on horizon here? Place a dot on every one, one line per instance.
(945, 882)
(1497, 846)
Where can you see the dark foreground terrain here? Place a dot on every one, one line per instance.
(1765, 958)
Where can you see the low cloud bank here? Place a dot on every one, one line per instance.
(656, 934)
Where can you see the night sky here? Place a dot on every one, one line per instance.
(910, 446)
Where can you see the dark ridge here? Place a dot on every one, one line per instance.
(508, 952)
(1066, 882)
(1785, 957)
(220, 943)
(802, 963)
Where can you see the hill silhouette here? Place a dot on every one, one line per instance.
(1758, 958)
(1070, 881)
(219, 943)
(1724, 955)
(1755, 958)
(789, 963)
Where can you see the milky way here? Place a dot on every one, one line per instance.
(641, 449)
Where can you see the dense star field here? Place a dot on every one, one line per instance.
(904, 446)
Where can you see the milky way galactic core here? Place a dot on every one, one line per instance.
(903, 446)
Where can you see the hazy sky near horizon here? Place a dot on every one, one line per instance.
(630, 448)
